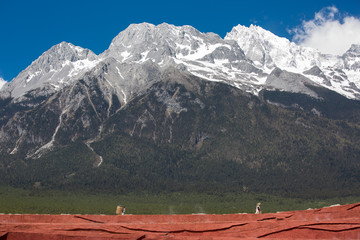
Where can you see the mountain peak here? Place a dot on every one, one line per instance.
(257, 44)
(352, 58)
(354, 49)
(68, 51)
(147, 33)
(266, 49)
(255, 32)
(54, 67)
(165, 43)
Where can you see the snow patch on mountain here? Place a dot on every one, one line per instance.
(2, 82)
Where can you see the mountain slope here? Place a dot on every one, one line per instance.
(232, 141)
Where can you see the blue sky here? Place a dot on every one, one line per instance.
(28, 28)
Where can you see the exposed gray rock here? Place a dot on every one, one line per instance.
(290, 82)
(316, 71)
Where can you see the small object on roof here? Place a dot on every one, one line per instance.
(120, 210)
(258, 209)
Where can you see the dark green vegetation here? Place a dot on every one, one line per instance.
(13, 200)
(189, 135)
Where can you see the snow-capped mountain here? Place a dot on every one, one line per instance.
(352, 58)
(167, 104)
(267, 51)
(245, 59)
(206, 55)
(55, 68)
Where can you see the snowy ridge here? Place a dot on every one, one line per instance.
(245, 58)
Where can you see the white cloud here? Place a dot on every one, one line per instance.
(329, 32)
